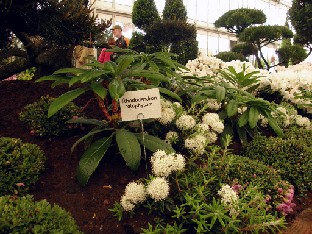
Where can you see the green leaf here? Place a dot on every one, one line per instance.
(116, 88)
(124, 63)
(152, 75)
(91, 74)
(273, 124)
(59, 82)
(129, 148)
(220, 93)
(170, 93)
(243, 119)
(52, 77)
(69, 70)
(99, 90)
(88, 121)
(63, 100)
(153, 143)
(242, 134)
(231, 108)
(74, 80)
(91, 159)
(253, 117)
(91, 133)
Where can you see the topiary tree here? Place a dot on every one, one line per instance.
(261, 36)
(48, 31)
(174, 10)
(300, 17)
(238, 20)
(244, 49)
(228, 56)
(144, 13)
(172, 33)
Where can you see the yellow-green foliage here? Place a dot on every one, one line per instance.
(20, 165)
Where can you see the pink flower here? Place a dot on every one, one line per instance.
(20, 184)
(280, 190)
(32, 132)
(237, 187)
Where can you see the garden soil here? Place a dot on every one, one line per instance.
(88, 205)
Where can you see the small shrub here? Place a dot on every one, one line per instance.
(292, 156)
(35, 115)
(20, 165)
(28, 74)
(24, 215)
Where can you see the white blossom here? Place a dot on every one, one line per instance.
(229, 197)
(185, 122)
(171, 137)
(196, 144)
(134, 193)
(158, 189)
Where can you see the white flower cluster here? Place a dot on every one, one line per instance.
(164, 164)
(214, 122)
(185, 122)
(287, 118)
(230, 198)
(213, 104)
(167, 112)
(204, 66)
(158, 189)
(196, 144)
(289, 81)
(134, 193)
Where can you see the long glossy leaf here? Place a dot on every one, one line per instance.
(63, 100)
(129, 148)
(51, 77)
(170, 93)
(243, 119)
(88, 121)
(91, 159)
(154, 143)
(124, 63)
(273, 124)
(253, 117)
(231, 108)
(91, 74)
(220, 93)
(69, 70)
(152, 75)
(116, 88)
(99, 90)
(91, 133)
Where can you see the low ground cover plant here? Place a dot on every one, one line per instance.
(24, 215)
(35, 116)
(218, 193)
(290, 155)
(20, 165)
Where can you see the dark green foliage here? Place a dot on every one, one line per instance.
(237, 20)
(24, 215)
(20, 166)
(245, 49)
(139, 43)
(35, 116)
(144, 13)
(300, 17)
(179, 36)
(228, 56)
(174, 10)
(265, 34)
(292, 54)
(291, 155)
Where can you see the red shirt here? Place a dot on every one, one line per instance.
(104, 56)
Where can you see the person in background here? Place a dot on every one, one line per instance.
(121, 41)
(105, 55)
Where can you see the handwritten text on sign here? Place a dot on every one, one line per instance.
(143, 104)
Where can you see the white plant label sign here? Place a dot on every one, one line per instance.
(140, 104)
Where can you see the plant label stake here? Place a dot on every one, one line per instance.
(145, 102)
(140, 117)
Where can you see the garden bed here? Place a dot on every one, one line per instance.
(88, 205)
